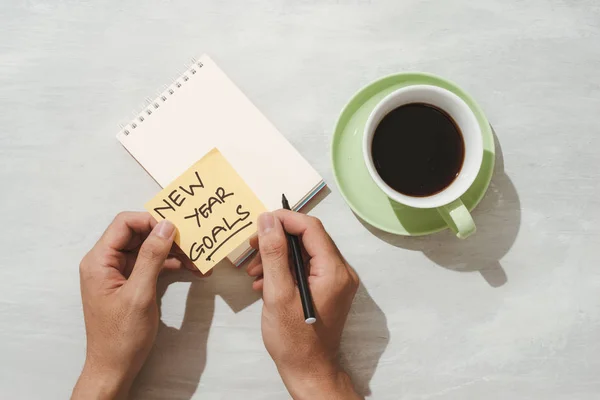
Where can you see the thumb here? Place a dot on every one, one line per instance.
(273, 247)
(151, 257)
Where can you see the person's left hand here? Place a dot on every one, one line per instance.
(118, 290)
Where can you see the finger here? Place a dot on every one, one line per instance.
(203, 275)
(274, 254)
(96, 271)
(176, 250)
(174, 262)
(183, 262)
(353, 275)
(151, 257)
(127, 231)
(258, 284)
(189, 266)
(256, 271)
(254, 242)
(174, 265)
(315, 239)
(255, 266)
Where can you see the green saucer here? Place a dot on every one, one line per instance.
(362, 194)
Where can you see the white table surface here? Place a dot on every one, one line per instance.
(512, 313)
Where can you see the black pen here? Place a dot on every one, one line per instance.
(305, 296)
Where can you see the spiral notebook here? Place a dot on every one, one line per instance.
(204, 109)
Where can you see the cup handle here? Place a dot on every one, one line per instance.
(458, 218)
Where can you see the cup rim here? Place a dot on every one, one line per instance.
(445, 196)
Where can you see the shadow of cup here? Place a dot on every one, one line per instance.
(498, 219)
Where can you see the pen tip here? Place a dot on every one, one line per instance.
(283, 198)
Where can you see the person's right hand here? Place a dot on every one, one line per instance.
(305, 355)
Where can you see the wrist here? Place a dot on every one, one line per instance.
(97, 383)
(330, 383)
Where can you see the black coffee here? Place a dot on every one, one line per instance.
(418, 150)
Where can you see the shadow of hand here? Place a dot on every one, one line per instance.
(178, 358)
(176, 363)
(366, 335)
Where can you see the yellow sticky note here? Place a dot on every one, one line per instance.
(212, 207)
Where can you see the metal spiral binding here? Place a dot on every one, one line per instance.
(164, 96)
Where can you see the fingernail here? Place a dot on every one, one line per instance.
(164, 229)
(190, 267)
(266, 222)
